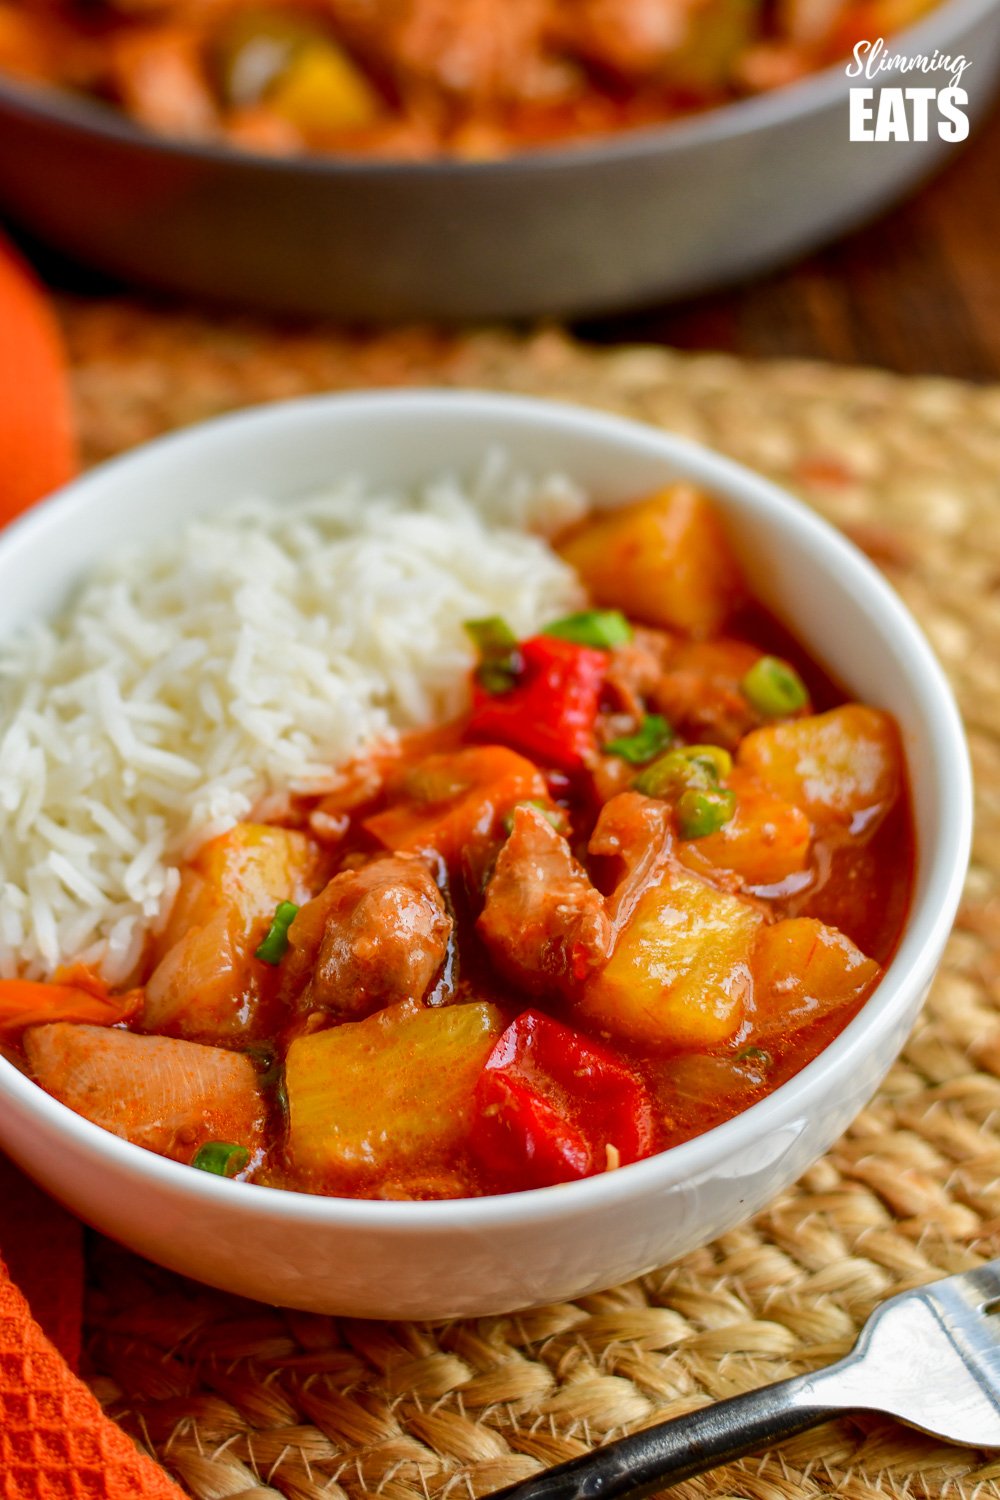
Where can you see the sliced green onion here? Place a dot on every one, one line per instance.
(774, 688)
(491, 636)
(702, 813)
(496, 677)
(653, 735)
(603, 628)
(755, 1054)
(697, 767)
(499, 658)
(553, 814)
(664, 776)
(221, 1157)
(708, 760)
(267, 1060)
(272, 949)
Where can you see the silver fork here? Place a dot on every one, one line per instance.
(930, 1357)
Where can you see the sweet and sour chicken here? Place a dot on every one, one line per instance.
(652, 872)
(414, 78)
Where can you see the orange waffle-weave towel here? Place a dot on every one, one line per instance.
(55, 1442)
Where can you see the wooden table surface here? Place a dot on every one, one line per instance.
(917, 292)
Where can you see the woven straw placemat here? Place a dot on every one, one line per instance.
(238, 1399)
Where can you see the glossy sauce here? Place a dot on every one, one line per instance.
(511, 954)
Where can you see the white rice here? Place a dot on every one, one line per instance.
(252, 653)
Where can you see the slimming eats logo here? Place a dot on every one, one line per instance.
(907, 112)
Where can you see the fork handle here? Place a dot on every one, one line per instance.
(660, 1456)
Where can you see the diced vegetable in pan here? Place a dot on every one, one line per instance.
(418, 78)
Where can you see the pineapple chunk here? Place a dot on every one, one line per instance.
(323, 91)
(378, 1095)
(207, 984)
(803, 970)
(679, 976)
(665, 560)
(842, 767)
(765, 840)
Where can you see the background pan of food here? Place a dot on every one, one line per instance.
(427, 77)
(636, 216)
(492, 1254)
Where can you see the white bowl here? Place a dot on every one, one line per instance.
(490, 1255)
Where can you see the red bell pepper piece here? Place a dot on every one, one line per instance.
(550, 711)
(549, 1103)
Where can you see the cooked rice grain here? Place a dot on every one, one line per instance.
(254, 652)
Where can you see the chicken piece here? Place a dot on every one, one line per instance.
(636, 668)
(691, 44)
(695, 685)
(699, 691)
(630, 681)
(633, 39)
(481, 51)
(636, 832)
(544, 923)
(372, 937)
(160, 77)
(168, 1095)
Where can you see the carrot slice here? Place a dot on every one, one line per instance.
(37, 445)
(26, 1002)
(448, 801)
